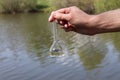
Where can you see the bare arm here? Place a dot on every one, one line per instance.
(74, 19)
(106, 22)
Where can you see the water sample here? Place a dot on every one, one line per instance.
(56, 48)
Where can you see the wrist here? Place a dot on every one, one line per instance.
(100, 25)
(93, 21)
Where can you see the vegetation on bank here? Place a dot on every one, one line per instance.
(89, 6)
(16, 6)
(86, 5)
(105, 5)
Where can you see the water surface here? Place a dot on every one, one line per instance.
(25, 40)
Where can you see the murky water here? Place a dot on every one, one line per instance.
(25, 40)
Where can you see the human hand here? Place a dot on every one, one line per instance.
(72, 19)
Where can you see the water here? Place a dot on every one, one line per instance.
(25, 40)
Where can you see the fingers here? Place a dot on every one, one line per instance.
(64, 10)
(62, 17)
(62, 22)
(61, 14)
(58, 16)
(51, 18)
(68, 28)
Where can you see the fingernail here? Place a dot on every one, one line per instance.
(49, 19)
(61, 22)
(66, 26)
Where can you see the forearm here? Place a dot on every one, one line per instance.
(106, 22)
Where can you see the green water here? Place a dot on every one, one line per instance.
(25, 40)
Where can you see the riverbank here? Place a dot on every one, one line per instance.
(25, 6)
(89, 6)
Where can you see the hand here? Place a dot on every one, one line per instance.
(73, 19)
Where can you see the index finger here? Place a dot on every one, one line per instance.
(64, 10)
(59, 16)
(51, 18)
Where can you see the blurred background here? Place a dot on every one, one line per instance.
(26, 37)
(90, 6)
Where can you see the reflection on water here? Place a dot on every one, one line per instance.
(25, 40)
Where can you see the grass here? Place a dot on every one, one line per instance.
(105, 5)
(43, 2)
(15, 6)
(86, 5)
(89, 6)
(45, 5)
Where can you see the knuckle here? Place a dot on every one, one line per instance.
(73, 7)
(63, 17)
(53, 12)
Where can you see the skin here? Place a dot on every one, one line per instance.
(74, 19)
